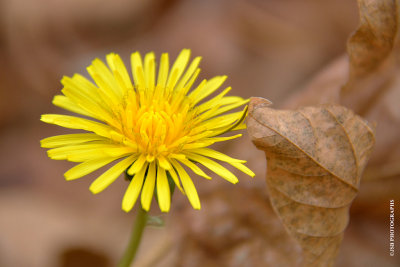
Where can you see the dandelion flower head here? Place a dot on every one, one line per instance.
(156, 127)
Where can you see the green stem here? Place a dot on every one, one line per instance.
(137, 231)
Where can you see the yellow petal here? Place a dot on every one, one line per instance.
(85, 103)
(221, 139)
(227, 100)
(69, 139)
(149, 70)
(104, 86)
(230, 107)
(190, 82)
(77, 123)
(115, 151)
(189, 73)
(239, 127)
(134, 188)
(67, 104)
(175, 178)
(178, 67)
(137, 165)
(198, 144)
(236, 125)
(163, 191)
(137, 70)
(107, 178)
(195, 168)
(221, 121)
(61, 153)
(86, 167)
(81, 85)
(215, 154)
(163, 71)
(188, 185)
(117, 66)
(101, 70)
(202, 92)
(213, 101)
(89, 151)
(164, 163)
(215, 167)
(243, 168)
(148, 188)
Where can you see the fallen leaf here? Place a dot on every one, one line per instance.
(367, 82)
(373, 41)
(315, 159)
(371, 63)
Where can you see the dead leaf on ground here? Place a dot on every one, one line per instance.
(315, 159)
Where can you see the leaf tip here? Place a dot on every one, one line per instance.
(257, 102)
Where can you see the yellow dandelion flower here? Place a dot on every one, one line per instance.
(154, 126)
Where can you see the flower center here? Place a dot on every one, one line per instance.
(159, 124)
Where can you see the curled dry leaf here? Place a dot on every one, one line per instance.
(372, 61)
(373, 41)
(315, 158)
(367, 81)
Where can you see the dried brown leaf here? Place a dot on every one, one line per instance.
(367, 82)
(371, 57)
(373, 41)
(353, 81)
(315, 159)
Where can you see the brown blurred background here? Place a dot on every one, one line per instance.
(267, 48)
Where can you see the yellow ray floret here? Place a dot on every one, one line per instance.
(154, 124)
